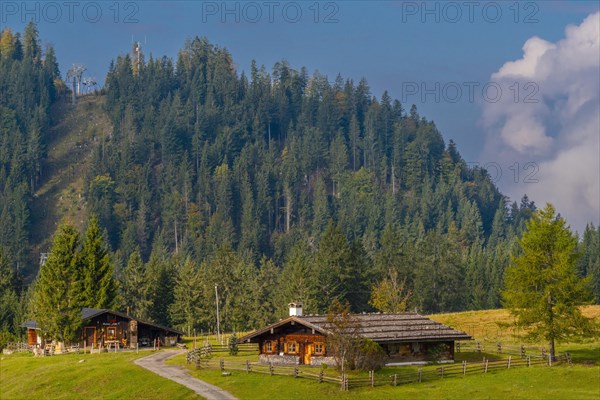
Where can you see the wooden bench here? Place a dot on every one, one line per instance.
(113, 343)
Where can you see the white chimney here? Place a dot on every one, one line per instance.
(295, 309)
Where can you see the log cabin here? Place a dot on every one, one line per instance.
(406, 338)
(103, 328)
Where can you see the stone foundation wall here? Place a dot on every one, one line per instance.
(276, 359)
(318, 361)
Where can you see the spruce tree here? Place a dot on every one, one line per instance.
(135, 289)
(57, 298)
(186, 308)
(542, 289)
(99, 287)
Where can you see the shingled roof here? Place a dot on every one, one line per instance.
(379, 327)
(401, 327)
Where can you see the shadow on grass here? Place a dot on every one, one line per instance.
(585, 355)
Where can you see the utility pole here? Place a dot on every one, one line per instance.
(218, 327)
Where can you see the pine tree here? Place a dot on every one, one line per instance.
(57, 298)
(135, 287)
(542, 289)
(186, 308)
(99, 286)
(331, 267)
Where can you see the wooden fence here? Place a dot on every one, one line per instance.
(501, 348)
(201, 359)
(17, 347)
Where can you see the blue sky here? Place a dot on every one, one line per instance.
(395, 45)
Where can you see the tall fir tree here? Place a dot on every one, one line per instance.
(99, 285)
(57, 297)
(135, 290)
(186, 309)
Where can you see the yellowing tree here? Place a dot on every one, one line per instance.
(542, 289)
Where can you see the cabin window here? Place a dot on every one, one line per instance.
(268, 347)
(291, 347)
(111, 333)
(319, 348)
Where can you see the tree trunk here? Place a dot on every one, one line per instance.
(288, 209)
(552, 351)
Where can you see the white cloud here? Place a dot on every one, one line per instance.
(549, 113)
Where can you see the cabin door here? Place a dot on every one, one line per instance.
(308, 351)
(90, 336)
(301, 352)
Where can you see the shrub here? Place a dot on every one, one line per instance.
(5, 337)
(436, 352)
(233, 345)
(370, 356)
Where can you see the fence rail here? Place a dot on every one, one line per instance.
(18, 347)
(501, 348)
(201, 358)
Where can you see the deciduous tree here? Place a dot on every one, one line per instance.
(543, 290)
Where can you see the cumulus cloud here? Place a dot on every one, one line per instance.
(549, 114)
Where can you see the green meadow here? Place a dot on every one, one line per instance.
(115, 376)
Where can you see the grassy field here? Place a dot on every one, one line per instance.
(579, 381)
(100, 376)
(114, 376)
(561, 382)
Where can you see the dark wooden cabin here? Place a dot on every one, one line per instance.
(103, 328)
(407, 338)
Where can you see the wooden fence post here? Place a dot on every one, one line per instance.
(478, 346)
(464, 365)
(549, 359)
(528, 361)
(508, 364)
(271, 368)
(568, 357)
(420, 374)
(522, 351)
(222, 364)
(486, 365)
(499, 346)
(442, 371)
(296, 372)
(395, 379)
(321, 376)
(372, 378)
(247, 366)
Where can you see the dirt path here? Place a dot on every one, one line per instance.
(156, 364)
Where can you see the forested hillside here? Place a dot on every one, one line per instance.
(277, 186)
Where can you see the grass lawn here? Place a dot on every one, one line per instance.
(580, 381)
(101, 376)
(114, 376)
(560, 382)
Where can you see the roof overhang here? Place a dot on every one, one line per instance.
(290, 320)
